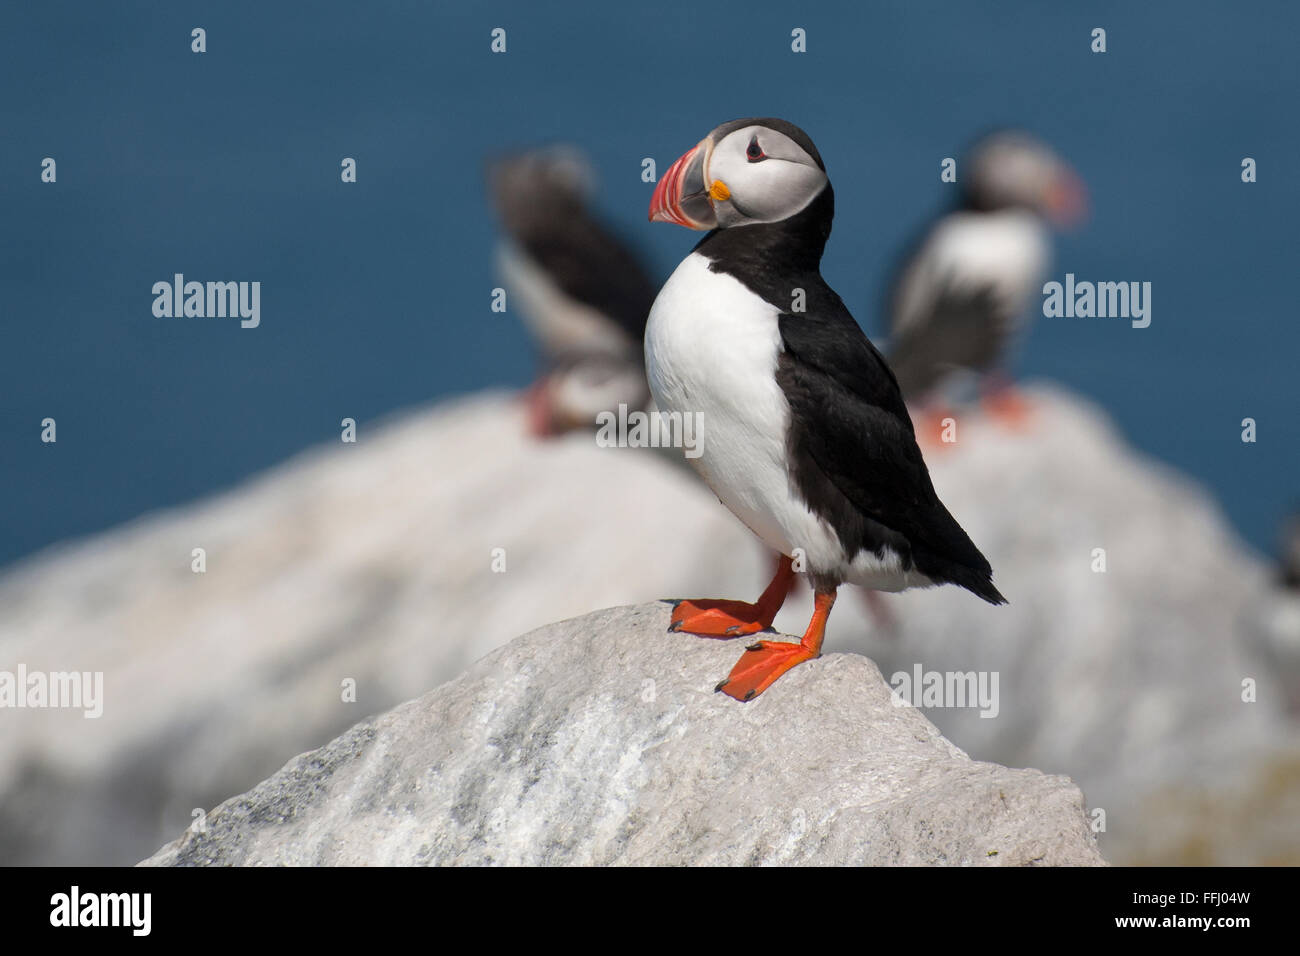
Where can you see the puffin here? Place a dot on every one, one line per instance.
(960, 298)
(584, 293)
(805, 435)
(1274, 619)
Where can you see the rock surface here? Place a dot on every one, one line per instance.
(373, 562)
(369, 562)
(1130, 679)
(599, 740)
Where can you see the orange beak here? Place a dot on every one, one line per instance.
(1067, 200)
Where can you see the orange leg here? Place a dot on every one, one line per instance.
(735, 618)
(762, 663)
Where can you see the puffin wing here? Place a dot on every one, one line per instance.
(853, 452)
(960, 295)
(911, 290)
(963, 326)
(591, 265)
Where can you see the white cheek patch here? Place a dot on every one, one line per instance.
(777, 190)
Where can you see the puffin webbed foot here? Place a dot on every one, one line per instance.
(1007, 404)
(719, 618)
(760, 666)
(763, 662)
(709, 618)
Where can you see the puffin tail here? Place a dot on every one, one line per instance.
(979, 581)
(963, 566)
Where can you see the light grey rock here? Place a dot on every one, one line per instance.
(1129, 680)
(372, 562)
(599, 740)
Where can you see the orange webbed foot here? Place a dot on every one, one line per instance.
(1007, 405)
(735, 618)
(760, 666)
(718, 618)
(763, 662)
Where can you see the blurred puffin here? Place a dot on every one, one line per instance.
(805, 435)
(959, 300)
(1274, 629)
(583, 294)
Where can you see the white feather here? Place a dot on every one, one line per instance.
(1008, 250)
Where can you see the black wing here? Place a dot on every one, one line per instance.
(543, 209)
(854, 453)
(962, 328)
(593, 266)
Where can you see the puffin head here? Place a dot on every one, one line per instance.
(744, 172)
(530, 189)
(1010, 169)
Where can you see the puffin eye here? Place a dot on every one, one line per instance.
(753, 152)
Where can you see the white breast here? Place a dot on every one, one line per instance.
(711, 348)
(1008, 250)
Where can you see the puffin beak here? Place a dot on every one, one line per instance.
(681, 196)
(1067, 200)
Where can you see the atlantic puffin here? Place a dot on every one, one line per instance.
(583, 292)
(1274, 623)
(963, 294)
(805, 435)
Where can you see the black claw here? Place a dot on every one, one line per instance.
(721, 684)
(674, 627)
(756, 646)
(751, 695)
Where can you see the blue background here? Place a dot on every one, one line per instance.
(225, 166)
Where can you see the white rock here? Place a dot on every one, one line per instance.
(370, 561)
(1130, 680)
(373, 561)
(599, 740)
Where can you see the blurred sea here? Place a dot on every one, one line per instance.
(375, 295)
